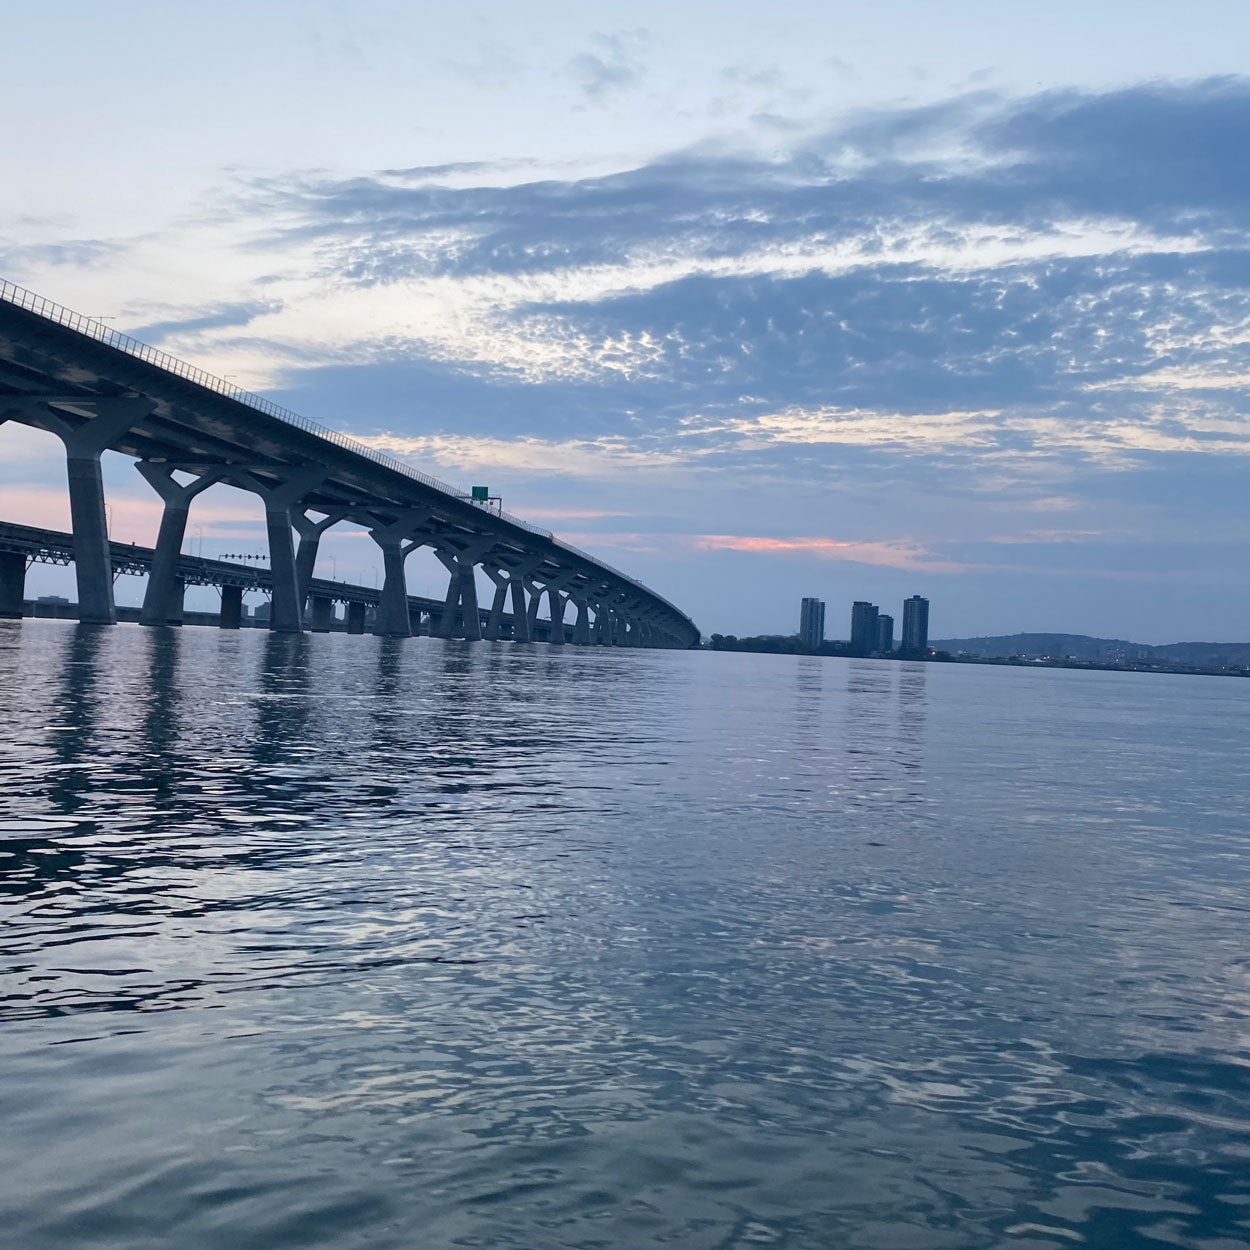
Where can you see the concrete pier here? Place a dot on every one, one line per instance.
(557, 604)
(161, 599)
(12, 583)
(393, 619)
(322, 614)
(460, 606)
(286, 609)
(398, 540)
(471, 617)
(231, 607)
(93, 565)
(581, 626)
(310, 532)
(356, 618)
(494, 623)
(177, 596)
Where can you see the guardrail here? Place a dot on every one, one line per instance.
(11, 293)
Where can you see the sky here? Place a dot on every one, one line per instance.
(855, 300)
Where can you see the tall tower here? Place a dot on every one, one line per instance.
(915, 624)
(885, 633)
(863, 626)
(812, 623)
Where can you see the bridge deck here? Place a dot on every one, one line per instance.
(46, 546)
(58, 370)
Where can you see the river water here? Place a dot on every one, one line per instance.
(344, 942)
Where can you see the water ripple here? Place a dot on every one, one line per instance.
(337, 941)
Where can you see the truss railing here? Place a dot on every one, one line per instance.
(13, 294)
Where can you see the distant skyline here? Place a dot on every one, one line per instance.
(851, 301)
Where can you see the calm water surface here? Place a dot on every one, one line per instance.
(343, 942)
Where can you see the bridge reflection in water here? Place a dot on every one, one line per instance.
(99, 390)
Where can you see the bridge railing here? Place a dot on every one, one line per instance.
(625, 577)
(13, 294)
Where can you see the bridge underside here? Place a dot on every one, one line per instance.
(188, 432)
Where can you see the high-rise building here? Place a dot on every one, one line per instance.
(863, 626)
(915, 624)
(885, 633)
(812, 623)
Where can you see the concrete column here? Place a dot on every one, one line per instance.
(521, 631)
(393, 619)
(161, 599)
(556, 604)
(461, 600)
(581, 627)
(176, 597)
(93, 565)
(158, 595)
(231, 607)
(536, 598)
(355, 617)
(470, 612)
(460, 563)
(445, 626)
(85, 439)
(322, 613)
(494, 624)
(286, 609)
(286, 614)
(505, 579)
(12, 583)
(398, 538)
(414, 619)
(309, 540)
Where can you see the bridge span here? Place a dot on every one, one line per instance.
(99, 390)
(24, 545)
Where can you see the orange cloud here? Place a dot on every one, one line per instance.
(891, 554)
(131, 518)
(897, 554)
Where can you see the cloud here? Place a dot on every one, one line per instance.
(1033, 304)
(571, 514)
(1043, 256)
(591, 458)
(890, 554)
(894, 554)
(612, 66)
(857, 427)
(1048, 537)
(183, 322)
(68, 253)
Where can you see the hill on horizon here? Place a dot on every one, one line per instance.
(1085, 647)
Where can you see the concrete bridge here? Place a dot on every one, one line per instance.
(98, 390)
(24, 545)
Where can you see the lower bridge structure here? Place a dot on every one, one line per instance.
(187, 431)
(24, 545)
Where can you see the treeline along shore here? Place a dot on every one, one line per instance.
(1080, 651)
